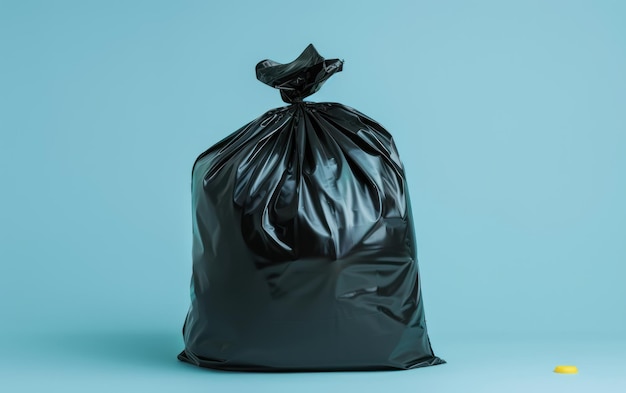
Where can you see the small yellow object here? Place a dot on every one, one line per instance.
(566, 369)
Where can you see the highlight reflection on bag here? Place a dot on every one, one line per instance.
(304, 255)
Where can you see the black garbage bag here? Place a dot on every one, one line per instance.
(304, 253)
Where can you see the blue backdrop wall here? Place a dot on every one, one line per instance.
(510, 118)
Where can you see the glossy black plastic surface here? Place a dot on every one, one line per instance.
(304, 255)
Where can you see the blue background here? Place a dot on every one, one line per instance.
(510, 117)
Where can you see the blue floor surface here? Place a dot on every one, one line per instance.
(108, 361)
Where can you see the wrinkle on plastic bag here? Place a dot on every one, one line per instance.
(304, 254)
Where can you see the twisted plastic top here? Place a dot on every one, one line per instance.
(300, 78)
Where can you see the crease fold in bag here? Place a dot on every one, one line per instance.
(304, 254)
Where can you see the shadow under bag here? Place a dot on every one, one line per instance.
(304, 253)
